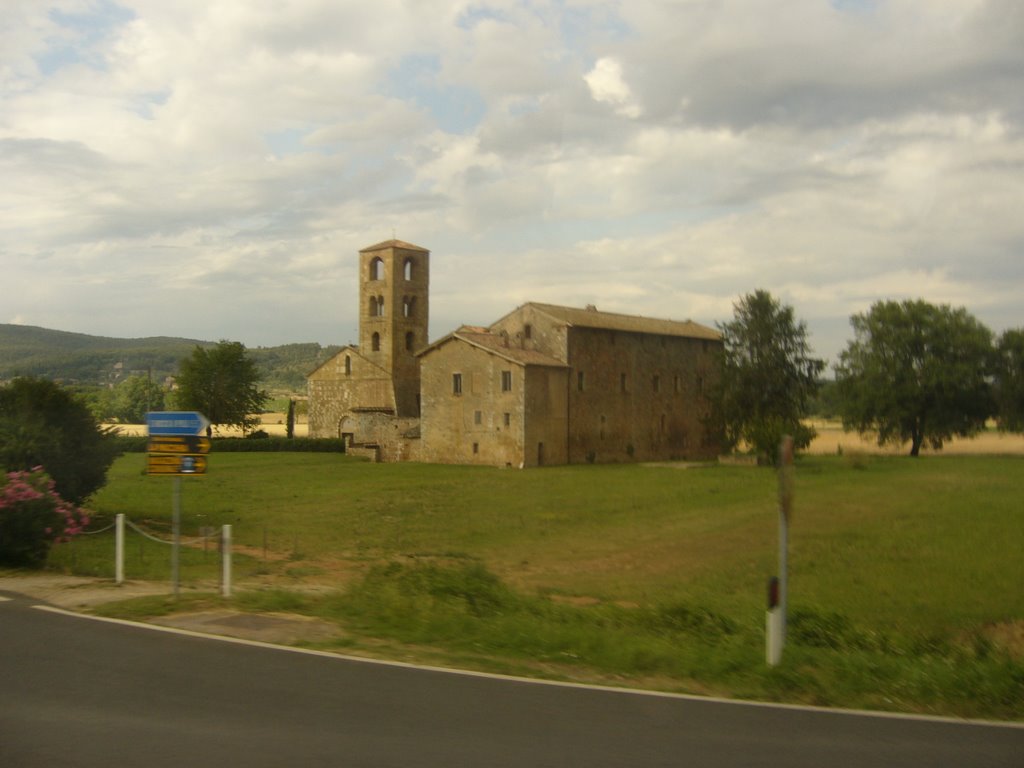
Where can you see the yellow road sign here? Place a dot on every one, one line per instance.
(194, 444)
(175, 464)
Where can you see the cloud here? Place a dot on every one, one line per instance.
(663, 158)
(608, 86)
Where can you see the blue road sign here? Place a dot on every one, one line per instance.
(176, 422)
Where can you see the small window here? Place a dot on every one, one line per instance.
(373, 306)
(377, 269)
(476, 448)
(410, 341)
(380, 306)
(375, 342)
(408, 305)
(407, 269)
(478, 417)
(348, 365)
(508, 419)
(527, 331)
(506, 381)
(456, 383)
(579, 381)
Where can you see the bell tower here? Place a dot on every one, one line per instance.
(394, 312)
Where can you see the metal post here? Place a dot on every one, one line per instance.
(225, 581)
(176, 535)
(119, 548)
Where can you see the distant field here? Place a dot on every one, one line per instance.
(274, 424)
(831, 438)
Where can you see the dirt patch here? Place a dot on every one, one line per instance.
(1008, 636)
(76, 593)
(279, 628)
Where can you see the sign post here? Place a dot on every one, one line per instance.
(177, 447)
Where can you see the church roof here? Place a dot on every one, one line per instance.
(591, 317)
(496, 344)
(393, 244)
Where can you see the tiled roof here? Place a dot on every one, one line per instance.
(592, 318)
(393, 244)
(496, 344)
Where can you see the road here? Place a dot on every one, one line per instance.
(80, 692)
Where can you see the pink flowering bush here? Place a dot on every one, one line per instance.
(32, 517)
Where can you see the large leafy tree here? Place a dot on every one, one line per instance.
(136, 396)
(221, 383)
(769, 377)
(915, 372)
(1009, 380)
(42, 424)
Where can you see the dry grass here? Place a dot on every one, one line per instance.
(832, 439)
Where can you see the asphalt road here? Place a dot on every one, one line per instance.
(81, 692)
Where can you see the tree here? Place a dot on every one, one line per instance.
(1008, 384)
(43, 425)
(769, 378)
(220, 382)
(135, 397)
(915, 372)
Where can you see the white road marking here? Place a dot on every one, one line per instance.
(536, 681)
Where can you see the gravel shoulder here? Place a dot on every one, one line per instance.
(81, 594)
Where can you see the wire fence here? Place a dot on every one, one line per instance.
(109, 552)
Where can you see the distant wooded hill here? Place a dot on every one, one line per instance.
(77, 358)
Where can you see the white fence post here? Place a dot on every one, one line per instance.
(119, 548)
(225, 579)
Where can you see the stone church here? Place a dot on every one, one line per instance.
(543, 385)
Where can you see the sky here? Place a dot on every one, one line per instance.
(210, 168)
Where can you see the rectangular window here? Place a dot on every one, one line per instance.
(579, 381)
(478, 417)
(527, 331)
(508, 419)
(506, 381)
(456, 383)
(476, 447)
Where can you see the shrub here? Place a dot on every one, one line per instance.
(32, 517)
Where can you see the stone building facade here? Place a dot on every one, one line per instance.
(369, 393)
(543, 385)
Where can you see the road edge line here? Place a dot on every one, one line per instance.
(536, 681)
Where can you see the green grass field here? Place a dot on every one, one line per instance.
(906, 581)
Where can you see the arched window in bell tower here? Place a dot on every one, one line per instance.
(375, 342)
(407, 269)
(373, 306)
(408, 306)
(377, 268)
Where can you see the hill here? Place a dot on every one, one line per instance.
(79, 358)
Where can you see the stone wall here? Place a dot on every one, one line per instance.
(639, 397)
(481, 424)
(344, 382)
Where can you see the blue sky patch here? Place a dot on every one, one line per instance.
(455, 109)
